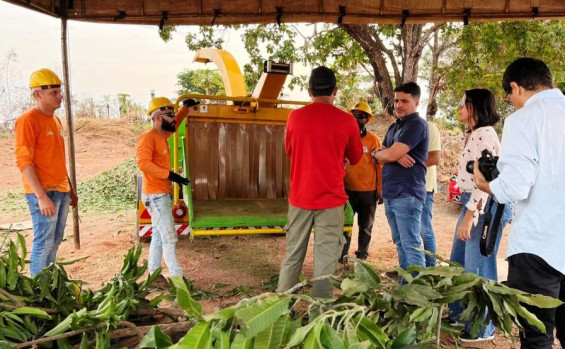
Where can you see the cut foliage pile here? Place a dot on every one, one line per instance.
(53, 308)
(110, 191)
(367, 314)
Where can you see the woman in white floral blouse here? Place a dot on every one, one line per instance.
(478, 111)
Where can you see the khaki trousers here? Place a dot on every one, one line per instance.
(328, 243)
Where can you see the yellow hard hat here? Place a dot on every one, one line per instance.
(159, 102)
(44, 78)
(364, 107)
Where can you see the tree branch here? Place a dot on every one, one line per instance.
(59, 336)
(11, 297)
(368, 39)
(426, 36)
(158, 311)
(14, 307)
(132, 330)
(307, 282)
(176, 327)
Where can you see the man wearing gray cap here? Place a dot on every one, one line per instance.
(319, 139)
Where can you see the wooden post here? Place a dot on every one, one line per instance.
(68, 109)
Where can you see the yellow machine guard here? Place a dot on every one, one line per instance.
(231, 74)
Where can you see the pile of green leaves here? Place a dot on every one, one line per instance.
(367, 314)
(51, 303)
(112, 190)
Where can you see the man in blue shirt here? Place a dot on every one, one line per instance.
(532, 168)
(404, 153)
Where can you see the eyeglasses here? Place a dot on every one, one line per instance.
(462, 103)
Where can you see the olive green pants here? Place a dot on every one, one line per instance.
(328, 243)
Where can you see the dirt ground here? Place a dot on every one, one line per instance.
(231, 260)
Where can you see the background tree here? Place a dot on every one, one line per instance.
(484, 50)
(201, 81)
(15, 97)
(455, 57)
(124, 102)
(439, 55)
(390, 55)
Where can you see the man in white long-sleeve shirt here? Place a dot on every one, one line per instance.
(532, 168)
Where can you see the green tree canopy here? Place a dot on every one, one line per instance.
(371, 59)
(485, 50)
(389, 55)
(201, 81)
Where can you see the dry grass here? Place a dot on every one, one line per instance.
(110, 129)
(451, 147)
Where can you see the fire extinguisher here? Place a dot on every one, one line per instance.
(179, 210)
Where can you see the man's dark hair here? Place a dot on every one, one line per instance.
(483, 107)
(410, 87)
(322, 92)
(322, 81)
(530, 73)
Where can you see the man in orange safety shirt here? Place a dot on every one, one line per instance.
(154, 161)
(40, 156)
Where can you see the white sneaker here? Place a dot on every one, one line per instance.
(465, 338)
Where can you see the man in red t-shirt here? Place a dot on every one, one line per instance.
(319, 137)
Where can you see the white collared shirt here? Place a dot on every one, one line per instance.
(532, 173)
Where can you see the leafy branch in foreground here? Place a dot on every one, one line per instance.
(51, 307)
(367, 314)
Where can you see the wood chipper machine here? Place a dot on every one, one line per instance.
(232, 149)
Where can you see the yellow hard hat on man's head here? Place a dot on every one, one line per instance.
(364, 107)
(158, 103)
(44, 79)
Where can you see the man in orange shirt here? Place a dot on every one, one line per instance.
(363, 184)
(154, 160)
(40, 156)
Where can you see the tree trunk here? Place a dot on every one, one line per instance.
(411, 46)
(411, 36)
(368, 37)
(434, 82)
(438, 48)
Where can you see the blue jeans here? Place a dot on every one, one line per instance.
(48, 231)
(164, 235)
(426, 229)
(468, 254)
(403, 214)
